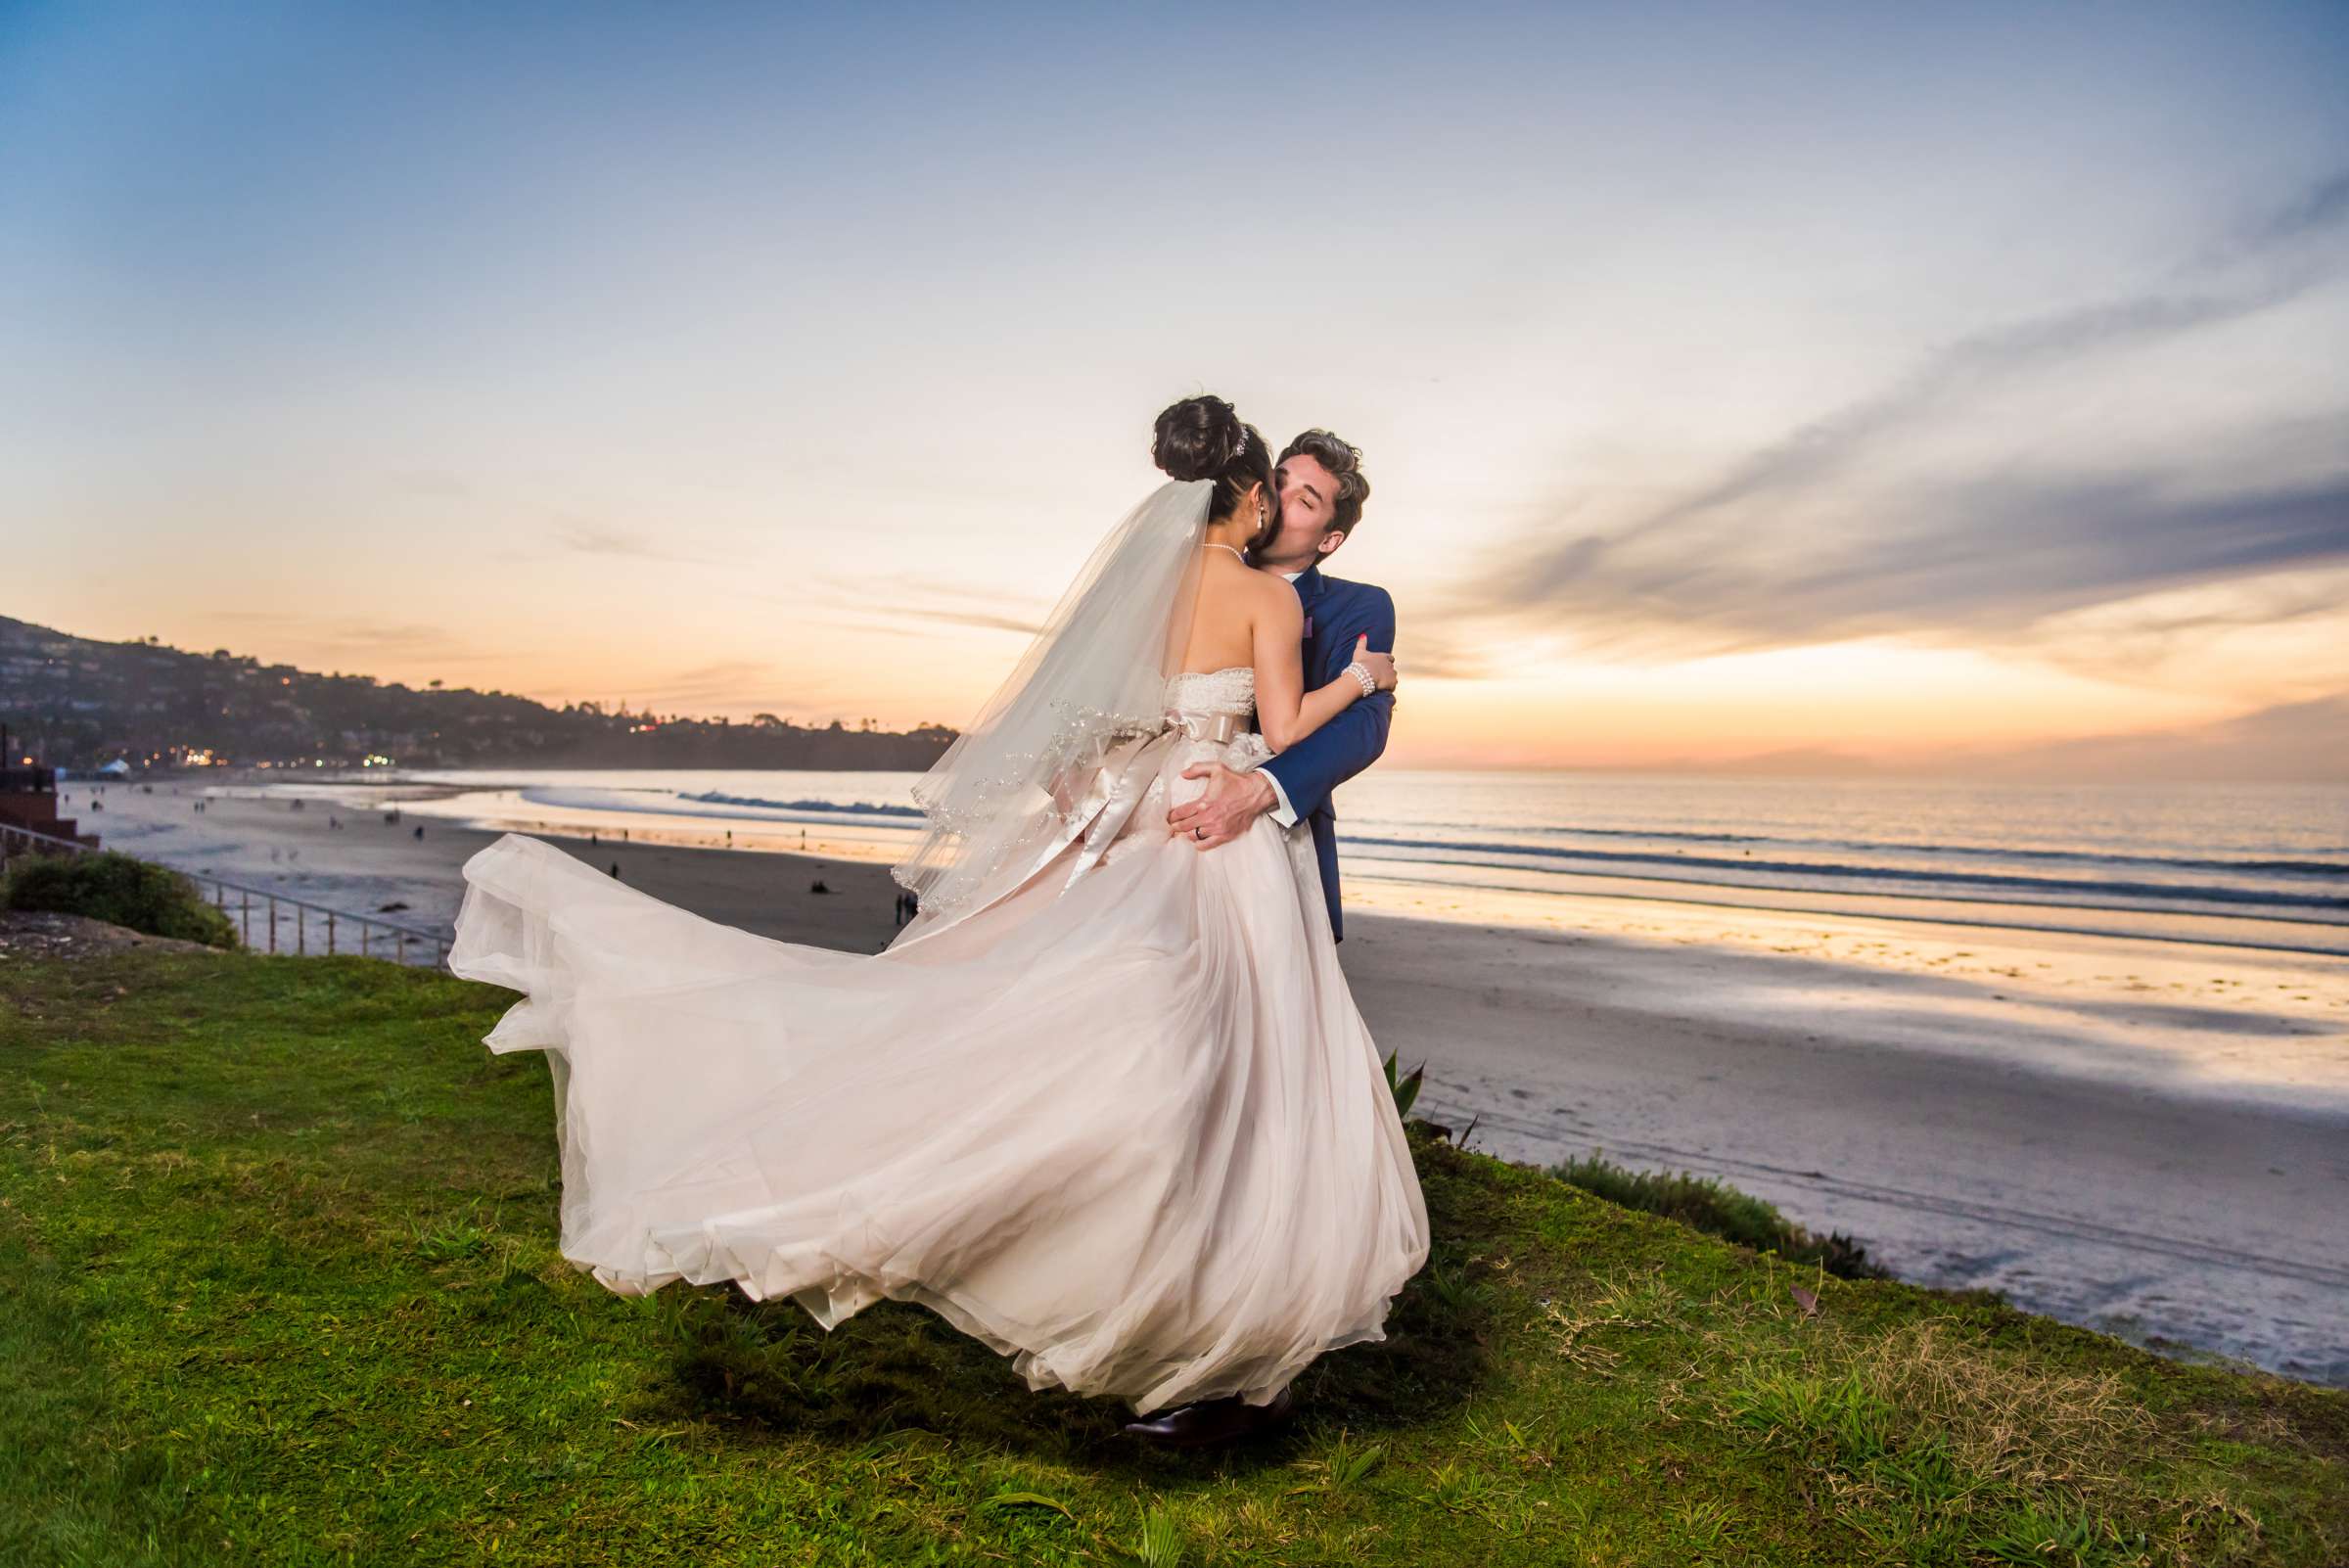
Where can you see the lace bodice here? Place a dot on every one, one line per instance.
(1212, 691)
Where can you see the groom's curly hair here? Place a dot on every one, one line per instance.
(1345, 464)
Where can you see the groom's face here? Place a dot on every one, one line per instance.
(1308, 494)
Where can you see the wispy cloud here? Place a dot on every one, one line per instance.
(2298, 742)
(1827, 534)
(358, 644)
(2318, 210)
(587, 536)
(978, 618)
(2297, 620)
(726, 682)
(909, 601)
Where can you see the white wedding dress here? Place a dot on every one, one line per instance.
(1122, 1124)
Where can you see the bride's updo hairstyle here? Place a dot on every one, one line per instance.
(1203, 438)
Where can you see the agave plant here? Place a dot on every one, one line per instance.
(1406, 1088)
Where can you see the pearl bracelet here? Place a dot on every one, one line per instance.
(1368, 681)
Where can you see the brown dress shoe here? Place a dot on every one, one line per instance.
(1210, 1421)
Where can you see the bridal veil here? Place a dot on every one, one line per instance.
(1095, 675)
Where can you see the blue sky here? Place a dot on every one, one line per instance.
(1888, 379)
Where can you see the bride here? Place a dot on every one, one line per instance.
(1106, 1105)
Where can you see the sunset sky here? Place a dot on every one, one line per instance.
(1899, 381)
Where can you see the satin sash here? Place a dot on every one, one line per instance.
(1111, 793)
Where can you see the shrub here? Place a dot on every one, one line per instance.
(119, 889)
(1404, 1088)
(1721, 1209)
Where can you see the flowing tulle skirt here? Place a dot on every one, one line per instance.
(1130, 1131)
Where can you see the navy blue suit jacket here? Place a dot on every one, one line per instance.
(1336, 613)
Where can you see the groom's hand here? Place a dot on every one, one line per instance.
(1222, 812)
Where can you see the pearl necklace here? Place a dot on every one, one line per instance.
(1210, 544)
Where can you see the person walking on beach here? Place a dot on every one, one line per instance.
(1105, 1103)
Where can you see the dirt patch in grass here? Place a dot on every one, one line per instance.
(44, 934)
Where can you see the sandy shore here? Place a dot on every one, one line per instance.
(2150, 1138)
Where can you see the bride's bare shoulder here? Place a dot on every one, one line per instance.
(1253, 598)
(1272, 598)
(1245, 585)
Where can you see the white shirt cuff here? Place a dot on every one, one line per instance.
(1283, 812)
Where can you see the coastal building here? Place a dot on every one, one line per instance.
(28, 799)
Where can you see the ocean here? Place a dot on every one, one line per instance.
(2261, 865)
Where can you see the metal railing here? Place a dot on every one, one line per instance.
(272, 910)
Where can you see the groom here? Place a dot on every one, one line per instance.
(1322, 490)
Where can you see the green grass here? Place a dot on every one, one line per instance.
(278, 1283)
(1718, 1209)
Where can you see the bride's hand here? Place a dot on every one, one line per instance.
(1381, 666)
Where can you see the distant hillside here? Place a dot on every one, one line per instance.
(73, 701)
